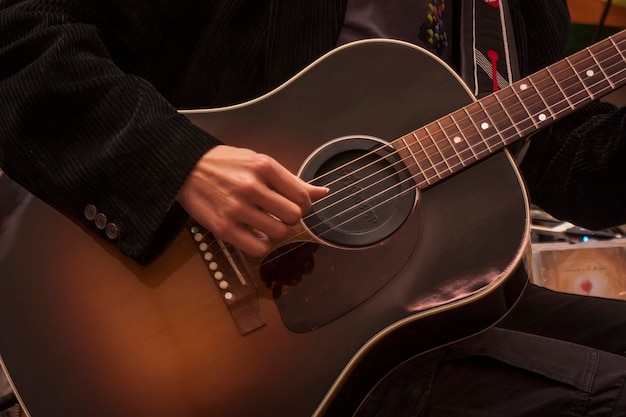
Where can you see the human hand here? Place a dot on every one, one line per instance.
(244, 197)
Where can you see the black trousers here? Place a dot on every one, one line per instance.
(555, 354)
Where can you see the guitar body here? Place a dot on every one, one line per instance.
(85, 331)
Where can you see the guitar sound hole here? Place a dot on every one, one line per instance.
(371, 191)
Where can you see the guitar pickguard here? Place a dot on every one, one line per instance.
(315, 283)
(369, 218)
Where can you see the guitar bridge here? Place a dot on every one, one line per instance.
(237, 291)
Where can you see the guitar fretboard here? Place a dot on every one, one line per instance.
(483, 127)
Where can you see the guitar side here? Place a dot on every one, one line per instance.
(88, 332)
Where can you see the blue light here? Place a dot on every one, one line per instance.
(585, 238)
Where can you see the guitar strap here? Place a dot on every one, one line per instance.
(487, 53)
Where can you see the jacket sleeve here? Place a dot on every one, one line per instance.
(85, 136)
(575, 169)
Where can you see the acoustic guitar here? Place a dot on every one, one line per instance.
(422, 240)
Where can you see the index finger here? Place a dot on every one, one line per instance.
(290, 186)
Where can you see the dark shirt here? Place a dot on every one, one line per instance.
(404, 20)
(393, 19)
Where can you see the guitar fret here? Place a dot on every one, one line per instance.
(494, 138)
(571, 83)
(601, 69)
(429, 149)
(498, 117)
(534, 104)
(416, 170)
(451, 154)
(563, 93)
(481, 126)
(464, 136)
(580, 80)
(518, 112)
(436, 141)
(597, 80)
(476, 142)
(611, 59)
(535, 80)
(617, 48)
(553, 95)
(423, 163)
(457, 140)
(506, 119)
(589, 74)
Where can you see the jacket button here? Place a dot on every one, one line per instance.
(101, 221)
(90, 212)
(111, 231)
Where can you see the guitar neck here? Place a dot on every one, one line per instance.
(476, 131)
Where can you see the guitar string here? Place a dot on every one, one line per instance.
(380, 193)
(445, 161)
(488, 151)
(529, 78)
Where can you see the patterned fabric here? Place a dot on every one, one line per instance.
(433, 30)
